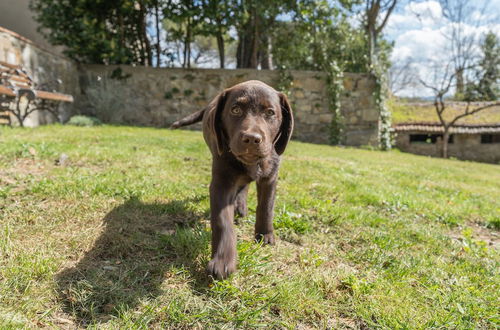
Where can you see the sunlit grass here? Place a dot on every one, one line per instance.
(118, 236)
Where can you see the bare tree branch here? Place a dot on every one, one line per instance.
(402, 75)
(387, 15)
(470, 113)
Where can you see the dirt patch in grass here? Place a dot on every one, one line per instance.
(16, 178)
(23, 166)
(475, 232)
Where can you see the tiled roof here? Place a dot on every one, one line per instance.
(456, 129)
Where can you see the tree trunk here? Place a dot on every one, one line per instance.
(158, 46)
(18, 113)
(266, 60)
(140, 45)
(220, 46)
(247, 53)
(244, 50)
(184, 53)
(149, 53)
(178, 50)
(187, 49)
(146, 45)
(254, 59)
(188, 45)
(372, 44)
(372, 13)
(446, 137)
(239, 51)
(460, 82)
(20, 120)
(121, 33)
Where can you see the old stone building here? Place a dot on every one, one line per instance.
(477, 142)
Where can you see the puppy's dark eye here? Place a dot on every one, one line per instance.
(270, 112)
(236, 111)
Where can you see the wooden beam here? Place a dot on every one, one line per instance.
(20, 79)
(4, 90)
(54, 96)
(11, 66)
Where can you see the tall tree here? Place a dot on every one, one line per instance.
(318, 35)
(462, 44)
(464, 17)
(490, 64)
(376, 16)
(109, 32)
(187, 17)
(486, 86)
(157, 4)
(256, 19)
(443, 82)
(218, 17)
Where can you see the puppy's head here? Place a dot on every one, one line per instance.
(251, 120)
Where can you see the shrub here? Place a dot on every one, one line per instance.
(84, 121)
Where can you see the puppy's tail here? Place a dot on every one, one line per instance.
(189, 120)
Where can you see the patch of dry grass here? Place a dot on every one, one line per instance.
(410, 113)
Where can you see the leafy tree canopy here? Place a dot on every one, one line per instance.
(306, 34)
(485, 85)
(96, 31)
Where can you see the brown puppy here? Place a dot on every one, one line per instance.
(247, 127)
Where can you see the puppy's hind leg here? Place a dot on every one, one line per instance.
(240, 202)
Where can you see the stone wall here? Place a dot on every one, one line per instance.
(44, 67)
(464, 146)
(159, 96)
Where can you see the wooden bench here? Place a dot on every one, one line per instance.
(16, 84)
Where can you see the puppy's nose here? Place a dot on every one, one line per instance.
(251, 138)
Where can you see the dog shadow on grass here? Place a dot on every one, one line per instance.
(141, 244)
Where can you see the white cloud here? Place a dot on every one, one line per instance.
(415, 15)
(429, 9)
(419, 31)
(422, 44)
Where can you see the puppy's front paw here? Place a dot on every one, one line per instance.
(265, 238)
(220, 268)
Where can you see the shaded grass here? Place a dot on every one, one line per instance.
(119, 237)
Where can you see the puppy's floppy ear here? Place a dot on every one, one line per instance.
(215, 120)
(286, 127)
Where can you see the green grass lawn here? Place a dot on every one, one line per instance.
(118, 236)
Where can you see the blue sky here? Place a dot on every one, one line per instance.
(418, 30)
